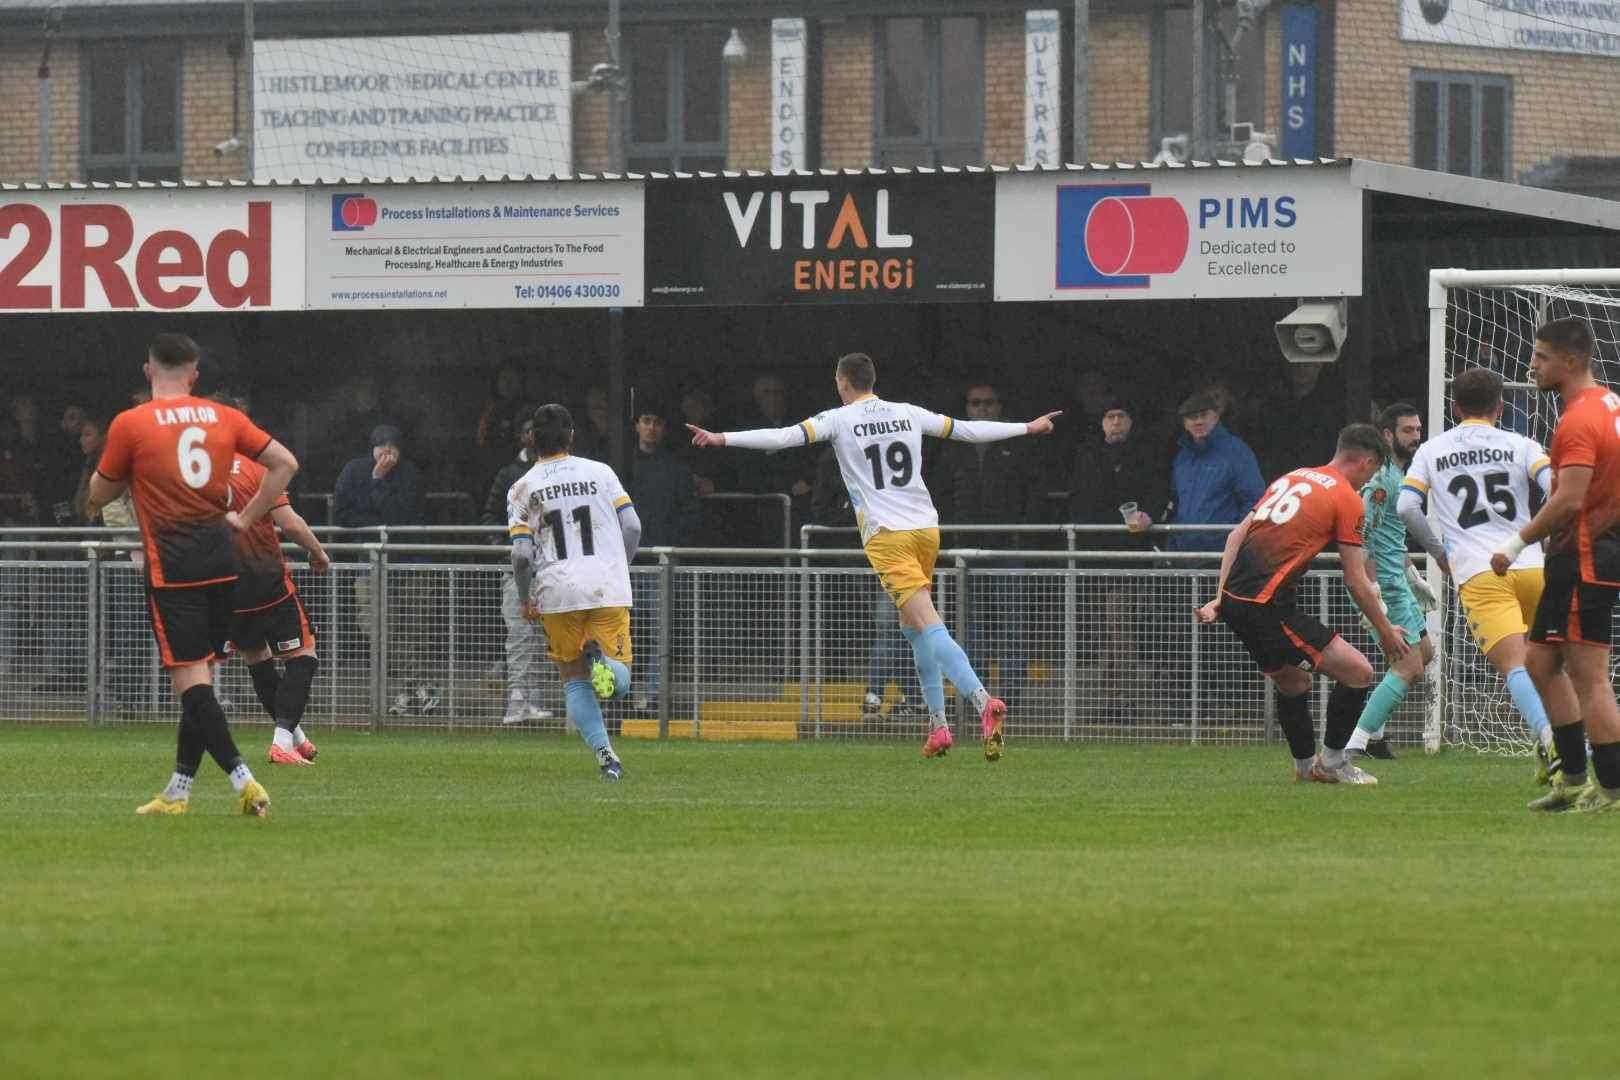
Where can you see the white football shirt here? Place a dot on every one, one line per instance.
(878, 445)
(1478, 478)
(570, 505)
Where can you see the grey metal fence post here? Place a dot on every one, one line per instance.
(819, 593)
(664, 647)
(697, 657)
(379, 632)
(450, 690)
(804, 629)
(1071, 631)
(1197, 642)
(1321, 687)
(92, 674)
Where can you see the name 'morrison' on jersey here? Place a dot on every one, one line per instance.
(878, 445)
(570, 506)
(1483, 485)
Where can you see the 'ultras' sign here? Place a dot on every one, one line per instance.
(151, 250)
(819, 239)
(1193, 233)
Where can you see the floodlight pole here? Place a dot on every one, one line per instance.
(1080, 151)
(53, 19)
(248, 128)
(616, 117)
(1198, 138)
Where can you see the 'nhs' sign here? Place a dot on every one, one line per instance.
(1299, 82)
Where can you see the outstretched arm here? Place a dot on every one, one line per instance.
(800, 434)
(983, 431)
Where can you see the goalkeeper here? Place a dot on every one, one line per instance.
(1402, 429)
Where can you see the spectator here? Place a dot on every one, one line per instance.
(92, 436)
(993, 484)
(790, 472)
(524, 666)
(501, 421)
(711, 471)
(32, 454)
(665, 495)
(385, 489)
(1215, 478)
(18, 481)
(594, 438)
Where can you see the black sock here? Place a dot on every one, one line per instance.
(293, 697)
(1294, 717)
(265, 681)
(1570, 741)
(209, 720)
(1344, 709)
(188, 753)
(1606, 763)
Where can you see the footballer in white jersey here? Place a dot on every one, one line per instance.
(878, 445)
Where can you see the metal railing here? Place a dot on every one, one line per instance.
(770, 642)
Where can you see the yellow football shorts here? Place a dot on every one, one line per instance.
(904, 560)
(568, 631)
(1499, 607)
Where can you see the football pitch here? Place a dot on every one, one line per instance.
(484, 906)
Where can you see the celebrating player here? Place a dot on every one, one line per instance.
(1300, 514)
(1385, 531)
(174, 453)
(1573, 627)
(268, 621)
(1483, 484)
(574, 532)
(879, 449)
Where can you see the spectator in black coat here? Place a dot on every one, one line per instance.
(666, 500)
(381, 488)
(1123, 467)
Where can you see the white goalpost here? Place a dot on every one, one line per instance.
(1488, 318)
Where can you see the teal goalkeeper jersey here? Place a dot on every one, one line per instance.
(1385, 531)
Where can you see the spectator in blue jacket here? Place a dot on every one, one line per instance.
(1215, 478)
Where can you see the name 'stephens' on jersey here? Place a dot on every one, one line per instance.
(571, 489)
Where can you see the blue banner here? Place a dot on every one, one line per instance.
(1299, 82)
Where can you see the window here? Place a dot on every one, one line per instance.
(677, 98)
(930, 92)
(1172, 87)
(1461, 122)
(131, 107)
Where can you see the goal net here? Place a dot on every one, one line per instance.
(1488, 319)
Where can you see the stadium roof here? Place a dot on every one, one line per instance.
(1462, 193)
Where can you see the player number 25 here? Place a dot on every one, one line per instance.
(195, 465)
(1498, 493)
(1281, 502)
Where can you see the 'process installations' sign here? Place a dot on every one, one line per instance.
(474, 246)
(1590, 27)
(412, 107)
(820, 239)
(1177, 234)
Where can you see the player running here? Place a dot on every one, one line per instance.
(1300, 514)
(268, 620)
(574, 532)
(879, 449)
(174, 453)
(1386, 531)
(1574, 626)
(1483, 484)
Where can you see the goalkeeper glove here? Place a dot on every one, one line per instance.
(1426, 599)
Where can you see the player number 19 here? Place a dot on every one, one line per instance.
(195, 464)
(1281, 502)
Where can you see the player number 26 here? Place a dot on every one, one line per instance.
(195, 464)
(1281, 502)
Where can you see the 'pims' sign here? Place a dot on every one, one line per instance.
(165, 269)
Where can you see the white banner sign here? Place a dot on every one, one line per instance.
(787, 95)
(1159, 234)
(1590, 27)
(191, 250)
(475, 246)
(1043, 89)
(412, 107)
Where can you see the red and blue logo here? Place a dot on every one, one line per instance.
(352, 211)
(1116, 236)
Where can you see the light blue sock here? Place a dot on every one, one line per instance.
(951, 660)
(1381, 702)
(928, 674)
(1528, 701)
(586, 713)
(621, 676)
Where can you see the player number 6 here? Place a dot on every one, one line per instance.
(195, 464)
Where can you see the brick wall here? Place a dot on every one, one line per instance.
(19, 112)
(748, 101)
(1121, 75)
(1561, 104)
(206, 83)
(1004, 89)
(847, 55)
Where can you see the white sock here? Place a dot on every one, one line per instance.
(299, 738)
(283, 738)
(1547, 739)
(1302, 765)
(979, 699)
(936, 721)
(241, 776)
(606, 754)
(1332, 758)
(179, 788)
(1359, 739)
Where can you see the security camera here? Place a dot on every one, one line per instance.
(1314, 332)
(229, 146)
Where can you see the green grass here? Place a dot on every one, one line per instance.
(476, 906)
